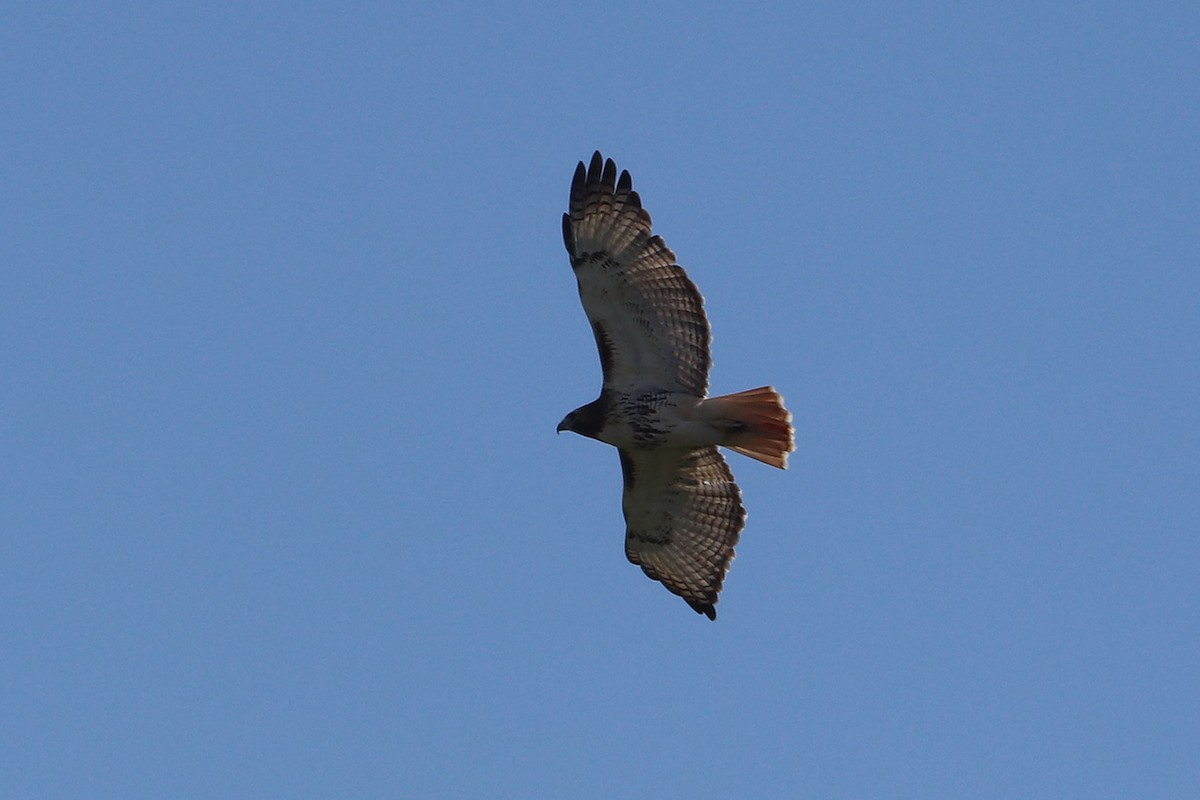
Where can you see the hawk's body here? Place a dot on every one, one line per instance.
(683, 511)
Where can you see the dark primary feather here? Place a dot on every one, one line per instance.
(646, 314)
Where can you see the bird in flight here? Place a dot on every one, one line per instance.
(683, 510)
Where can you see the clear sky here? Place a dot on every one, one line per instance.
(286, 326)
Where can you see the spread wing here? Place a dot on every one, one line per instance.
(646, 314)
(683, 516)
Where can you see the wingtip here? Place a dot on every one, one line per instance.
(608, 178)
(597, 164)
(705, 609)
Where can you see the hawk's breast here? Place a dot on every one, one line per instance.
(652, 419)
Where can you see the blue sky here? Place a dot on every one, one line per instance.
(287, 325)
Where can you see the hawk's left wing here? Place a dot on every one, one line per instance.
(683, 515)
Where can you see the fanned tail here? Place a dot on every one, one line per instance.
(758, 425)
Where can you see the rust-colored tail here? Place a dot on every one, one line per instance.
(758, 424)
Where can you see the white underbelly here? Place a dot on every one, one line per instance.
(658, 419)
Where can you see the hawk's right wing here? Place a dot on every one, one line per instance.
(646, 314)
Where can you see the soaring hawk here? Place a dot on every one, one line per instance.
(683, 511)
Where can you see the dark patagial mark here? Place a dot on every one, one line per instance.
(604, 345)
(628, 470)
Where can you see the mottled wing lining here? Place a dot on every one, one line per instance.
(646, 314)
(684, 516)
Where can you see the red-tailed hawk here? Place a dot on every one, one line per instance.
(683, 511)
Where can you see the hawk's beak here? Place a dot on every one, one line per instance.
(562, 426)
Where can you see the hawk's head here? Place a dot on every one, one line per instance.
(586, 420)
